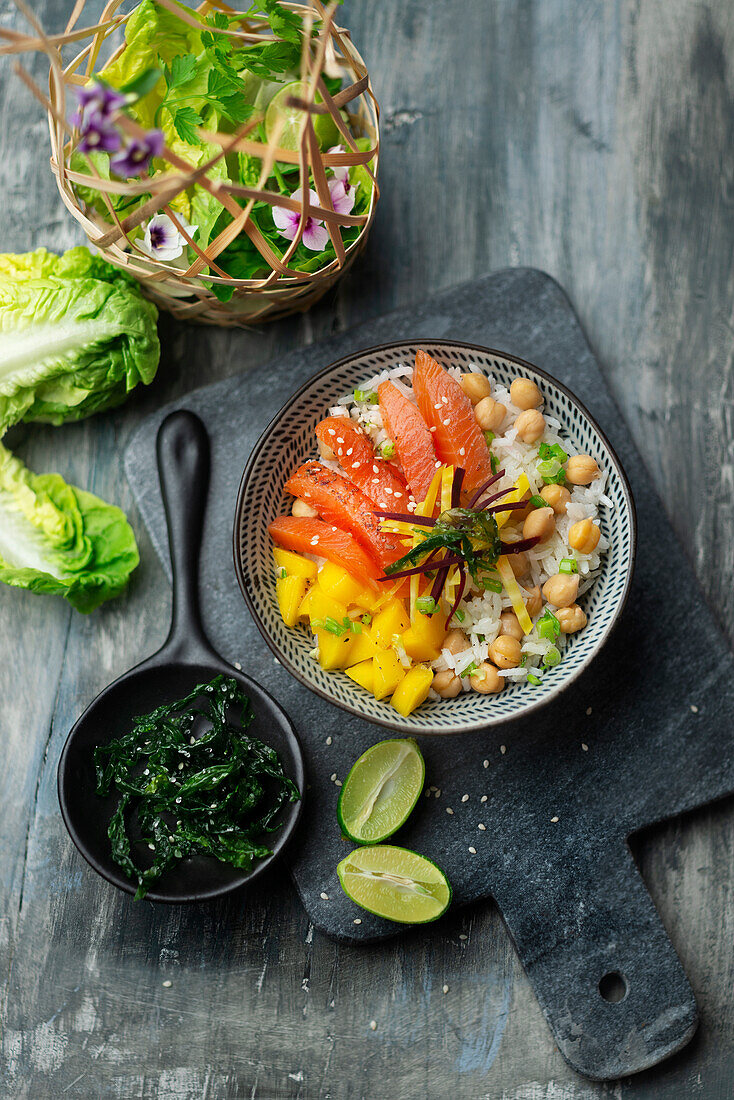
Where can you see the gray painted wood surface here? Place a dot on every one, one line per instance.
(593, 139)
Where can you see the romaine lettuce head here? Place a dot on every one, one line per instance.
(59, 539)
(76, 336)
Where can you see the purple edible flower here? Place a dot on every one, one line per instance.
(161, 238)
(135, 157)
(342, 196)
(315, 235)
(96, 100)
(98, 135)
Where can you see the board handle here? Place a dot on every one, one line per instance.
(605, 973)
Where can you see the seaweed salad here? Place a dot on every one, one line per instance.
(192, 782)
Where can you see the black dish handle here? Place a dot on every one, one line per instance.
(183, 453)
(592, 943)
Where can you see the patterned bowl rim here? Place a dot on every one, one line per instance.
(399, 724)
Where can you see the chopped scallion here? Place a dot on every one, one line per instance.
(470, 669)
(549, 626)
(568, 565)
(366, 619)
(283, 572)
(552, 657)
(426, 605)
(494, 463)
(460, 615)
(489, 438)
(491, 585)
(334, 627)
(366, 395)
(538, 502)
(387, 449)
(534, 680)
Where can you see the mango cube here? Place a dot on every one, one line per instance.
(295, 565)
(338, 584)
(290, 591)
(322, 606)
(388, 673)
(419, 648)
(363, 674)
(412, 690)
(364, 648)
(334, 649)
(431, 628)
(391, 620)
(367, 599)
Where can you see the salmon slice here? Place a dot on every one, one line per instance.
(344, 505)
(374, 476)
(312, 536)
(444, 405)
(413, 441)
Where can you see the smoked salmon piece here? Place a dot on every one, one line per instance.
(312, 536)
(413, 441)
(458, 439)
(342, 504)
(354, 451)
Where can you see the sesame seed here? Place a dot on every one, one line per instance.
(482, 827)
(375, 469)
(329, 740)
(388, 490)
(472, 850)
(437, 465)
(465, 798)
(585, 748)
(357, 920)
(315, 540)
(335, 528)
(432, 428)
(332, 777)
(445, 400)
(323, 896)
(449, 810)
(483, 798)
(152, 847)
(438, 793)
(503, 749)
(340, 451)
(462, 450)
(331, 431)
(396, 494)
(356, 465)
(433, 788)
(373, 1025)
(694, 708)
(375, 481)
(445, 423)
(463, 936)
(437, 407)
(339, 439)
(554, 819)
(445, 989)
(338, 782)
(427, 794)
(180, 767)
(167, 984)
(485, 763)
(382, 503)
(192, 740)
(588, 710)
(350, 450)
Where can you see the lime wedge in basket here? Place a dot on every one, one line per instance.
(293, 119)
(380, 791)
(395, 883)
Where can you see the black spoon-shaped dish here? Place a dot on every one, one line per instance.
(185, 660)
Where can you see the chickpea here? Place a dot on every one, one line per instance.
(540, 524)
(571, 618)
(456, 641)
(475, 386)
(447, 684)
(525, 394)
(505, 652)
(326, 452)
(486, 679)
(562, 589)
(510, 626)
(534, 602)
(557, 496)
(489, 414)
(300, 508)
(581, 470)
(530, 425)
(584, 536)
(518, 563)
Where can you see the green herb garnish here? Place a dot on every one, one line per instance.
(426, 605)
(552, 657)
(191, 782)
(548, 626)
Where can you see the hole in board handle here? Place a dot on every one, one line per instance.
(613, 987)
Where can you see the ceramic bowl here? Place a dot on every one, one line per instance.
(289, 440)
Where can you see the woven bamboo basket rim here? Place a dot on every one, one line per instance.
(283, 288)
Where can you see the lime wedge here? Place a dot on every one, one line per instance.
(293, 119)
(395, 883)
(380, 791)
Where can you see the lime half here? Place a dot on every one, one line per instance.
(395, 883)
(380, 791)
(293, 120)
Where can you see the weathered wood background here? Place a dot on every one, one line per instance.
(592, 138)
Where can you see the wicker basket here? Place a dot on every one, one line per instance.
(181, 291)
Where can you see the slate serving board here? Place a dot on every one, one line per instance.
(621, 749)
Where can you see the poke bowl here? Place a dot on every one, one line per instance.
(525, 511)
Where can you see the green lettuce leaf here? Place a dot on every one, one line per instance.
(76, 336)
(58, 539)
